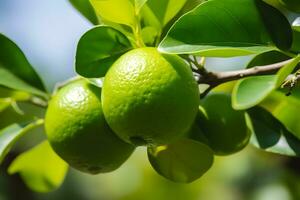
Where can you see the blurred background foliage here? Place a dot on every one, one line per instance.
(47, 32)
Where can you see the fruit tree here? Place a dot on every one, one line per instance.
(142, 80)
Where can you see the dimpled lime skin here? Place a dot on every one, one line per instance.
(149, 98)
(77, 130)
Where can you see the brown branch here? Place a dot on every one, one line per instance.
(217, 78)
(213, 79)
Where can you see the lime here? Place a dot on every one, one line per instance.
(149, 98)
(78, 132)
(220, 126)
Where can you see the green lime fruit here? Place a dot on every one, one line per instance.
(293, 5)
(220, 126)
(183, 161)
(78, 133)
(149, 98)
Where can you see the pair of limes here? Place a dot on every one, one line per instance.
(147, 99)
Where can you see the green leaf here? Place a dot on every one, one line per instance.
(285, 109)
(4, 104)
(251, 91)
(190, 5)
(86, 9)
(116, 11)
(228, 28)
(40, 168)
(267, 58)
(277, 25)
(165, 10)
(10, 134)
(149, 34)
(13, 60)
(97, 50)
(296, 35)
(96, 81)
(183, 161)
(139, 4)
(270, 135)
(15, 71)
(10, 80)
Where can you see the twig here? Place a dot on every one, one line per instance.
(203, 94)
(216, 78)
(195, 65)
(38, 102)
(213, 79)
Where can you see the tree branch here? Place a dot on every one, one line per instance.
(216, 78)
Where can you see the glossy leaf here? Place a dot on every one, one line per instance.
(13, 60)
(86, 9)
(251, 91)
(267, 58)
(165, 10)
(97, 50)
(116, 11)
(15, 71)
(149, 34)
(228, 28)
(10, 80)
(10, 134)
(277, 25)
(183, 161)
(40, 168)
(285, 109)
(139, 4)
(270, 135)
(190, 5)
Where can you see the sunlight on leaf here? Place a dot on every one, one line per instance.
(228, 28)
(165, 10)
(40, 168)
(117, 11)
